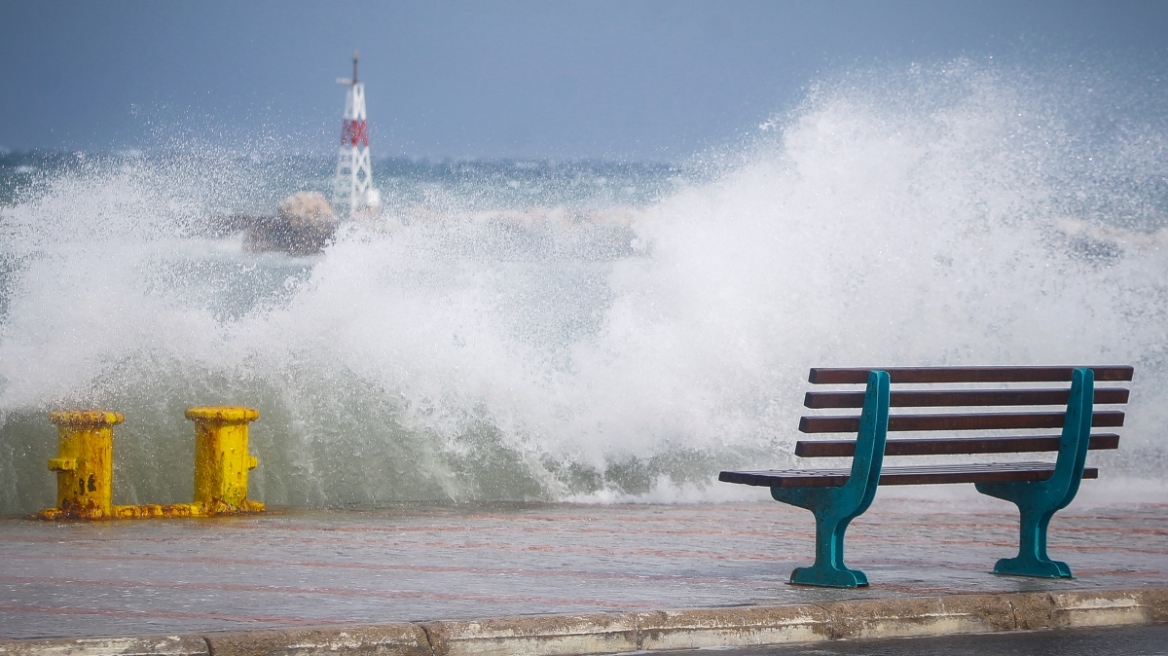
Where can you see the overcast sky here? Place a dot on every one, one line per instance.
(603, 79)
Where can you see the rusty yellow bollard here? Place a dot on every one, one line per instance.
(84, 464)
(222, 460)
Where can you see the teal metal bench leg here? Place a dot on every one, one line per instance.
(832, 515)
(1032, 559)
(835, 507)
(1038, 501)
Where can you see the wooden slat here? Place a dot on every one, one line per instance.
(821, 376)
(953, 398)
(948, 422)
(950, 446)
(919, 475)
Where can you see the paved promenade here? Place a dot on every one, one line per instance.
(297, 568)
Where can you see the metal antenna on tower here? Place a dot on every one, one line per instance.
(353, 185)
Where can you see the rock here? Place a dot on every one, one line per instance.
(303, 225)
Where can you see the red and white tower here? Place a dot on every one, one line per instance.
(353, 185)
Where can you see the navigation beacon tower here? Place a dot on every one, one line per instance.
(353, 185)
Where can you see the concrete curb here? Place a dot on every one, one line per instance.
(186, 645)
(611, 633)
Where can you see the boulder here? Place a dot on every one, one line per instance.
(303, 225)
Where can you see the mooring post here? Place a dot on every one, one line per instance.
(84, 464)
(222, 460)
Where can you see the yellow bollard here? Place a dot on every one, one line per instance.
(84, 464)
(221, 459)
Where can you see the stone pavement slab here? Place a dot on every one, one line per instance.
(302, 569)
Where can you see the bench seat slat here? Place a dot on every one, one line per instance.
(831, 376)
(946, 422)
(911, 475)
(952, 398)
(950, 446)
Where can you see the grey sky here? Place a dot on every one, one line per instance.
(603, 79)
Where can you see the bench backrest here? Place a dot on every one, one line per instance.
(990, 408)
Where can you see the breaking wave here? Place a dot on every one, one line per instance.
(591, 331)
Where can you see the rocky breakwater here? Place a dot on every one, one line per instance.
(303, 225)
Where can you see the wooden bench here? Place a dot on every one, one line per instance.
(1039, 489)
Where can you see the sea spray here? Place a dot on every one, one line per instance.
(593, 331)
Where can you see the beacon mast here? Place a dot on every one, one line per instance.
(353, 185)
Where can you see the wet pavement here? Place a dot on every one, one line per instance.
(298, 568)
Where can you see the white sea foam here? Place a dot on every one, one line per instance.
(622, 352)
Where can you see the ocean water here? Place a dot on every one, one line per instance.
(589, 331)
